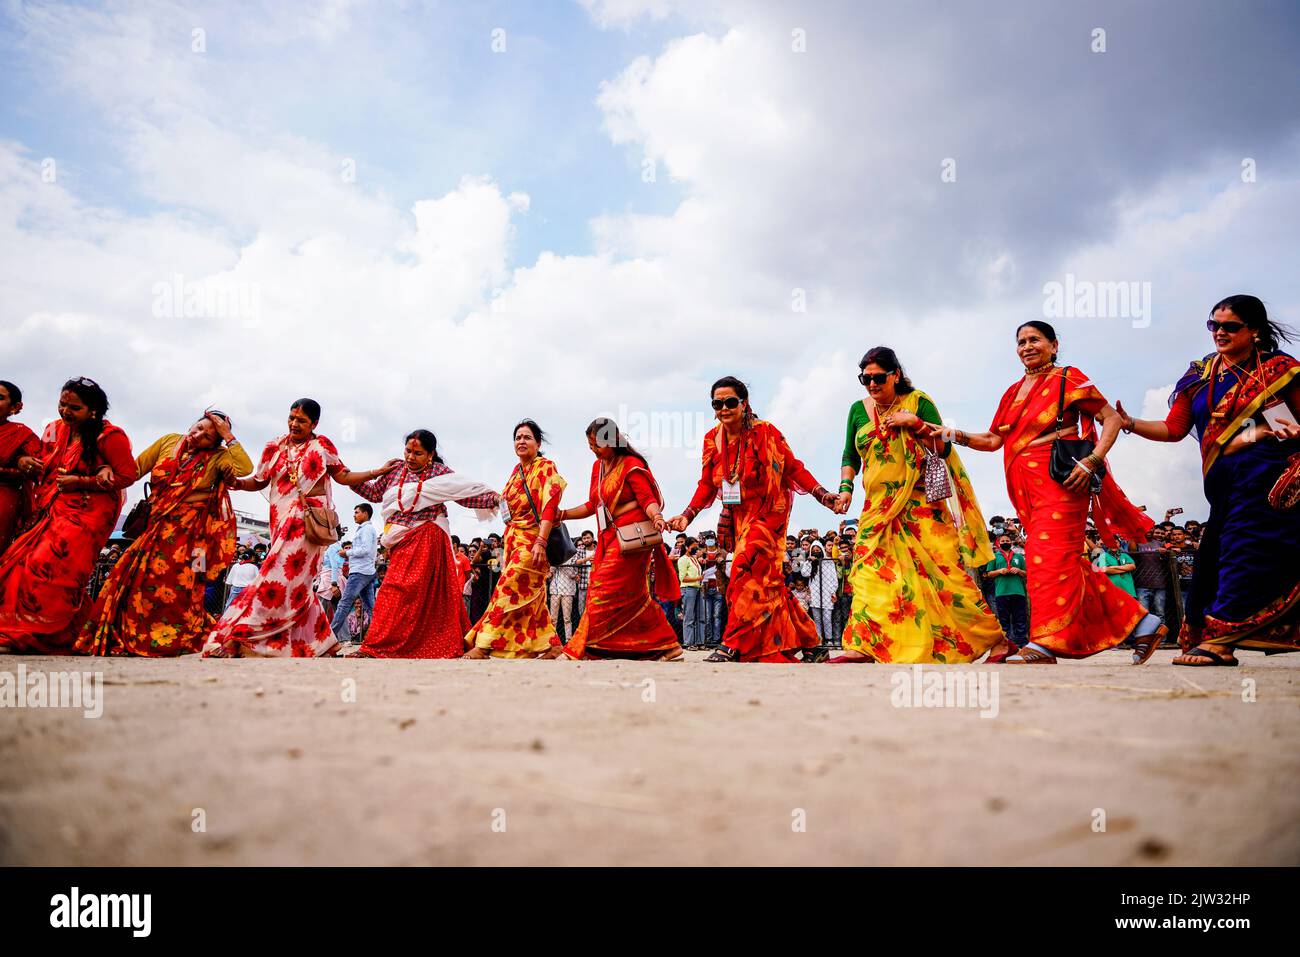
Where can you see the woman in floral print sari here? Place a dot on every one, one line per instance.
(278, 616)
(152, 603)
(517, 623)
(750, 463)
(913, 599)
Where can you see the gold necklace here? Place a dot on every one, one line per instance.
(1039, 369)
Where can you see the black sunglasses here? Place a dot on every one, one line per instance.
(879, 378)
(1231, 327)
(731, 402)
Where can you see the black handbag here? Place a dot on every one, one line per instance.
(559, 545)
(137, 520)
(1067, 453)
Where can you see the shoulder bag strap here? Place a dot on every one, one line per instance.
(523, 480)
(1060, 415)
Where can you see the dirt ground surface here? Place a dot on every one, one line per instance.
(214, 762)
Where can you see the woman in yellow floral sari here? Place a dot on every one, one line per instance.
(152, 603)
(517, 623)
(913, 601)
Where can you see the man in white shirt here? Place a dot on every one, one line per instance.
(361, 572)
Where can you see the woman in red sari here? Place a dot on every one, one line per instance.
(750, 463)
(1075, 610)
(19, 448)
(85, 463)
(621, 620)
(152, 603)
(419, 612)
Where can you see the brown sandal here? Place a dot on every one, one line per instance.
(1145, 647)
(1030, 656)
(477, 654)
(1200, 658)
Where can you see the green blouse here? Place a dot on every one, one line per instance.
(858, 417)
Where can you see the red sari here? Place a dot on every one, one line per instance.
(621, 619)
(44, 573)
(1075, 611)
(764, 622)
(419, 612)
(16, 440)
(152, 603)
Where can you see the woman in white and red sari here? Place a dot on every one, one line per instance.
(278, 615)
(419, 612)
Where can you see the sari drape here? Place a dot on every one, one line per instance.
(1246, 583)
(621, 619)
(278, 615)
(419, 612)
(16, 441)
(152, 603)
(913, 599)
(764, 622)
(517, 623)
(45, 571)
(1075, 610)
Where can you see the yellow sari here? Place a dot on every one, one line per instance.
(913, 601)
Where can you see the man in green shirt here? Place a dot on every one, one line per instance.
(1116, 563)
(1007, 571)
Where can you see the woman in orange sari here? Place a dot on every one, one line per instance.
(19, 448)
(151, 606)
(621, 620)
(750, 463)
(85, 463)
(517, 623)
(1075, 610)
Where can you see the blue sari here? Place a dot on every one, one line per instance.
(1246, 583)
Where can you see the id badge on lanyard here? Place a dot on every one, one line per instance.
(730, 493)
(505, 510)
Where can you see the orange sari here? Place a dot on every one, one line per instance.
(151, 606)
(621, 619)
(1075, 610)
(764, 621)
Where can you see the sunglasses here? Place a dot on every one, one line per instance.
(1231, 327)
(729, 403)
(879, 378)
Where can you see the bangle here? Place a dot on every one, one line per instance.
(846, 485)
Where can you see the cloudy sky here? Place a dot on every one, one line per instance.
(452, 216)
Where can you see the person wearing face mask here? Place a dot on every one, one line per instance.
(823, 587)
(691, 577)
(1074, 610)
(1243, 401)
(19, 448)
(85, 462)
(748, 463)
(151, 606)
(419, 612)
(913, 601)
(277, 616)
(517, 623)
(1007, 573)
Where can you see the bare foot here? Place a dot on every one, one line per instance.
(476, 654)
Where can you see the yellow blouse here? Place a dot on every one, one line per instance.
(231, 462)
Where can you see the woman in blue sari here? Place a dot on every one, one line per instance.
(1243, 400)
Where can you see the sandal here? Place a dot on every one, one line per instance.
(1145, 647)
(672, 654)
(1212, 660)
(1030, 656)
(814, 656)
(723, 653)
(848, 660)
(477, 654)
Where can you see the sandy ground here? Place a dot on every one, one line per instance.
(499, 762)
